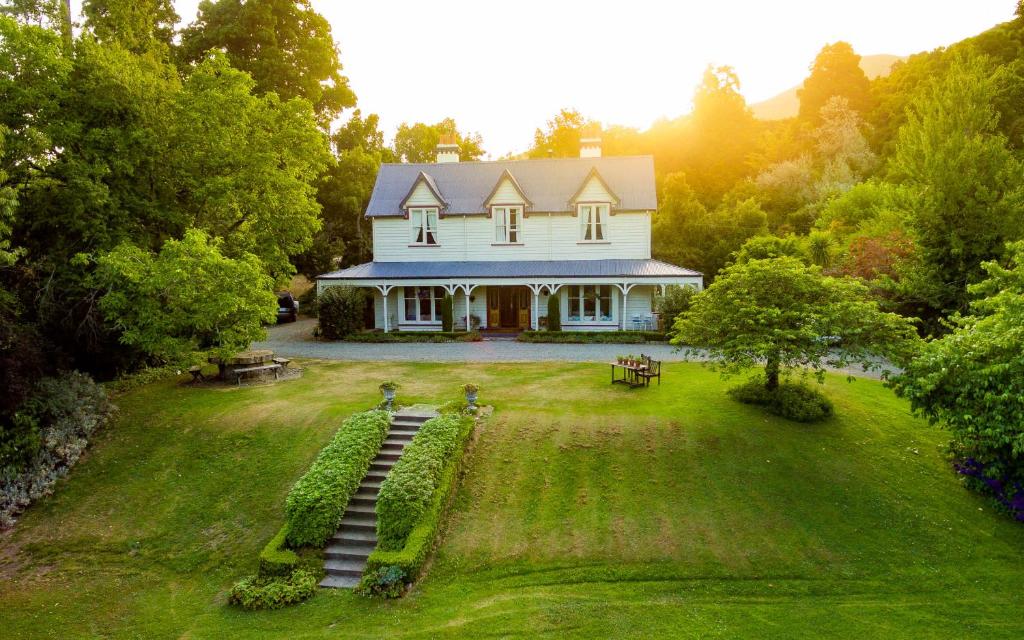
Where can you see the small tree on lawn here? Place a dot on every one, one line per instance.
(447, 313)
(786, 315)
(972, 380)
(189, 297)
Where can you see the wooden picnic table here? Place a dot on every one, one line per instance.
(255, 360)
(630, 374)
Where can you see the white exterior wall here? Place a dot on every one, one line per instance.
(544, 237)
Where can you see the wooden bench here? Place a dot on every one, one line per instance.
(276, 368)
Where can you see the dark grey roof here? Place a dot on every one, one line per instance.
(511, 269)
(549, 183)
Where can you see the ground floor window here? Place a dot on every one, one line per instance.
(423, 304)
(590, 303)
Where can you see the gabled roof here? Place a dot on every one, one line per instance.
(623, 268)
(507, 175)
(549, 183)
(594, 175)
(423, 178)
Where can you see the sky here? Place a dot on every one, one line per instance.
(505, 69)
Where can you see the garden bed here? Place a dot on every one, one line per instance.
(594, 337)
(415, 336)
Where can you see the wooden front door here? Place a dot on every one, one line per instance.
(508, 308)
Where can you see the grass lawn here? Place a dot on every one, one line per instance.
(586, 511)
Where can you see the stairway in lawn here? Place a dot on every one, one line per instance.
(346, 552)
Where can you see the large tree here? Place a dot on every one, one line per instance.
(561, 137)
(418, 142)
(784, 315)
(972, 380)
(187, 298)
(835, 72)
(285, 45)
(968, 185)
(137, 25)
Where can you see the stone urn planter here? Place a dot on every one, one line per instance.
(388, 390)
(471, 391)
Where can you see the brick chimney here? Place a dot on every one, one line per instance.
(447, 148)
(590, 141)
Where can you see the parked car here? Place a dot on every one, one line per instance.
(287, 308)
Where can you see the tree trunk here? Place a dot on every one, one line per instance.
(771, 370)
(65, 26)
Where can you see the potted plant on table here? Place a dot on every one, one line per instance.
(388, 389)
(620, 359)
(471, 390)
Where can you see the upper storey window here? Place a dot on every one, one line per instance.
(423, 228)
(506, 224)
(593, 222)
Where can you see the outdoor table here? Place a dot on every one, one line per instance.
(629, 374)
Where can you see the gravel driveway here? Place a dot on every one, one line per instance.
(296, 340)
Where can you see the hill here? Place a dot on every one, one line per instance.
(786, 104)
(585, 511)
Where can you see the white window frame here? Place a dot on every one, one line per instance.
(594, 225)
(505, 231)
(423, 223)
(578, 293)
(436, 295)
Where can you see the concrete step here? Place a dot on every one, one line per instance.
(358, 522)
(387, 455)
(344, 567)
(340, 551)
(382, 465)
(393, 447)
(361, 511)
(339, 582)
(395, 442)
(366, 492)
(369, 484)
(361, 537)
(401, 434)
(376, 474)
(363, 502)
(403, 417)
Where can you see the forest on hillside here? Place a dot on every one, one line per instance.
(158, 182)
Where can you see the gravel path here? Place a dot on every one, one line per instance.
(296, 340)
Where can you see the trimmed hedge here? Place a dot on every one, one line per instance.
(415, 336)
(317, 501)
(554, 313)
(408, 552)
(593, 337)
(273, 593)
(275, 559)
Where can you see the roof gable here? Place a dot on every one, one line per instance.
(594, 189)
(551, 184)
(507, 185)
(422, 191)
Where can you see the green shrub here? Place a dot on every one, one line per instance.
(446, 313)
(554, 313)
(385, 582)
(316, 502)
(675, 300)
(340, 310)
(275, 559)
(308, 302)
(414, 336)
(593, 337)
(794, 401)
(411, 557)
(54, 426)
(408, 488)
(273, 593)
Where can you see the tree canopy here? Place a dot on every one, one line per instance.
(418, 142)
(835, 72)
(786, 315)
(285, 45)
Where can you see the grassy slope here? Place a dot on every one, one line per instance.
(587, 511)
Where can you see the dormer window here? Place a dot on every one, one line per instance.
(506, 224)
(423, 223)
(593, 221)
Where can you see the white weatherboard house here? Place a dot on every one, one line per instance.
(501, 237)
